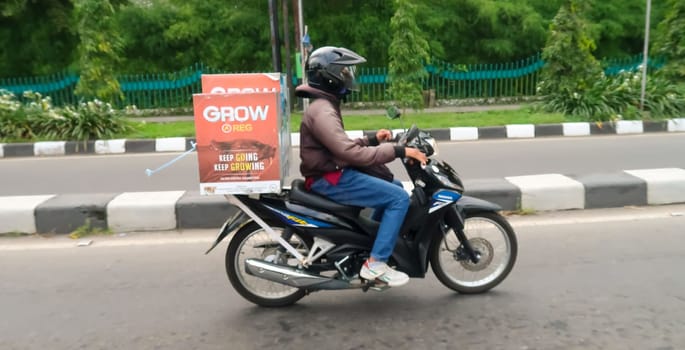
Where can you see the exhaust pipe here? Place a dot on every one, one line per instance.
(292, 277)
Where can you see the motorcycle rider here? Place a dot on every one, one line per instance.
(332, 163)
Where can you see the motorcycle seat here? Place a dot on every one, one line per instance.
(298, 193)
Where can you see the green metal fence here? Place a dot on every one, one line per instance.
(448, 81)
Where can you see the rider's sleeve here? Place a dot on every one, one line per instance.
(329, 130)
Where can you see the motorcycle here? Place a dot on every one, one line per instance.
(290, 244)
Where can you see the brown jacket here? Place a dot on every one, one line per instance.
(324, 145)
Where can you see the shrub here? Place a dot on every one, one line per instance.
(618, 97)
(93, 120)
(17, 120)
(39, 119)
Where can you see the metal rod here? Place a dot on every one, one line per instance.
(235, 201)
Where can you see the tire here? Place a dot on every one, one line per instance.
(486, 231)
(257, 290)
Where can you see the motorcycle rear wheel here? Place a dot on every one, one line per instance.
(493, 238)
(252, 241)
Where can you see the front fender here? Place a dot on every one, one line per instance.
(468, 204)
(232, 224)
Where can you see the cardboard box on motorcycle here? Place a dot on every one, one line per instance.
(242, 133)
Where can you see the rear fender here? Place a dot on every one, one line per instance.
(231, 225)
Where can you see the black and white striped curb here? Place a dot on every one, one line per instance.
(174, 210)
(180, 144)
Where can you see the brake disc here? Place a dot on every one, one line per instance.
(483, 248)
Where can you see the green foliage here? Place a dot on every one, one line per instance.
(663, 99)
(37, 118)
(87, 229)
(616, 34)
(481, 31)
(618, 97)
(408, 54)
(99, 51)
(228, 35)
(362, 26)
(93, 120)
(14, 118)
(35, 37)
(41, 37)
(570, 66)
(671, 41)
(142, 33)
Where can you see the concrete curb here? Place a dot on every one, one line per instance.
(513, 131)
(171, 210)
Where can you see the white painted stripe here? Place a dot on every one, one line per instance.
(17, 213)
(295, 139)
(664, 186)
(549, 192)
(49, 148)
(629, 127)
(170, 144)
(355, 134)
(143, 211)
(576, 129)
(2, 150)
(110, 146)
(676, 124)
(463, 133)
(520, 130)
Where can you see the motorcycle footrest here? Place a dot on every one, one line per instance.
(377, 286)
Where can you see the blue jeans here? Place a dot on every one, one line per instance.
(362, 190)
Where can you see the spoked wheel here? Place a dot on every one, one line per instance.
(253, 242)
(494, 241)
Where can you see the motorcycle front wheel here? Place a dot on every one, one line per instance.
(253, 242)
(495, 242)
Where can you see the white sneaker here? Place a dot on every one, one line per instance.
(380, 271)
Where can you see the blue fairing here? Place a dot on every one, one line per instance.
(443, 198)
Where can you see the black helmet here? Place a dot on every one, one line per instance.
(331, 69)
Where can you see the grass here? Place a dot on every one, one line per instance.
(144, 130)
(423, 120)
(87, 229)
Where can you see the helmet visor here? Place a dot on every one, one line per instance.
(349, 80)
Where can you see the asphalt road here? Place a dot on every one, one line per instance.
(607, 279)
(472, 159)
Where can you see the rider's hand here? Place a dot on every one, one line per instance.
(383, 135)
(416, 154)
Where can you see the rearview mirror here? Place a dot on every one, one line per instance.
(393, 112)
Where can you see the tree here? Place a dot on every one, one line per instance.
(408, 54)
(99, 51)
(359, 25)
(671, 41)
(482, 31)
(569, 63)
(36, 37)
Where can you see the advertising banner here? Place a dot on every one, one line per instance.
(241, 83)
(242, 125)
(238, 143)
